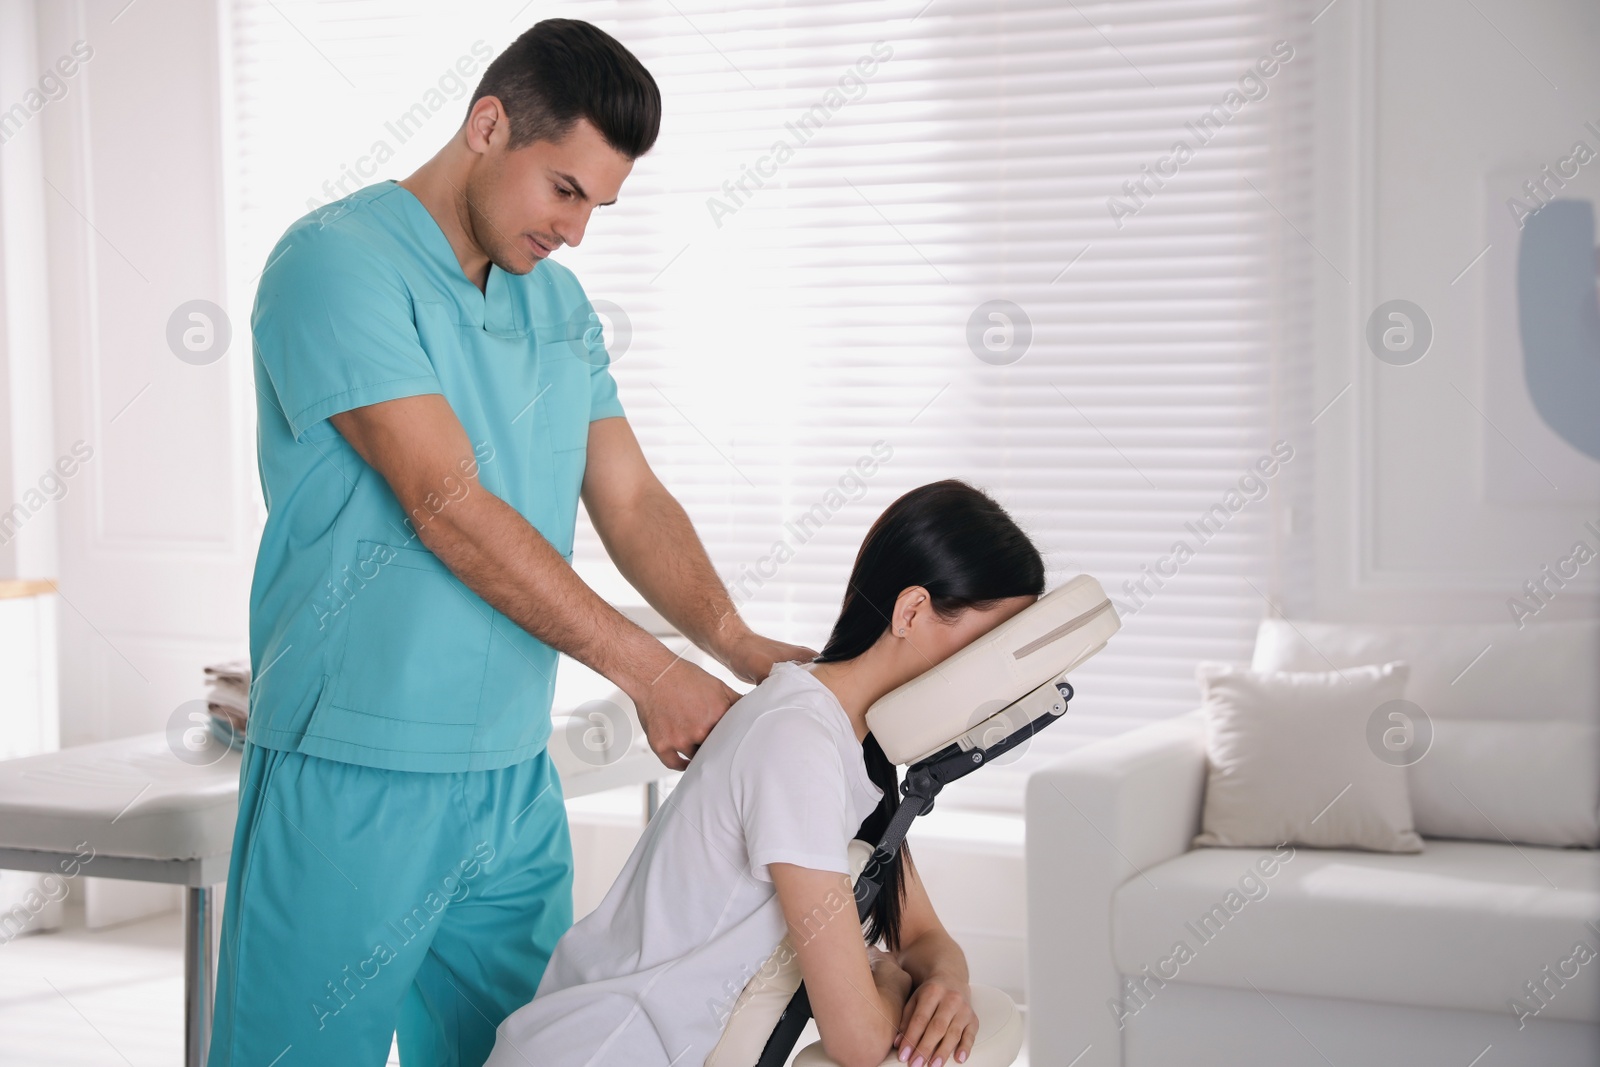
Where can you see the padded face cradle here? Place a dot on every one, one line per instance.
(953, 701)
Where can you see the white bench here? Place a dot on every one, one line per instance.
(130, 809)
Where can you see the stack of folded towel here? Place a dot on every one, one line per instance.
(228, 700)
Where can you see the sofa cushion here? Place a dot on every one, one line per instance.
(1508, 721)
(1533, 783)
(1288, 759)
(1463, 924)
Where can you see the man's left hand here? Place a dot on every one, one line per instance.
(750, 657)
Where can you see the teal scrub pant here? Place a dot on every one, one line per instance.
(366, 903)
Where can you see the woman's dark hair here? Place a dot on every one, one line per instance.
(957, 543)
(561, 70)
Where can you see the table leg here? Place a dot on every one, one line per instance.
(652, 799)
(199, 972)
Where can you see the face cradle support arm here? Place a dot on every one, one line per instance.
(927, 777)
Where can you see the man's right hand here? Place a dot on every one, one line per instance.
(678, 704)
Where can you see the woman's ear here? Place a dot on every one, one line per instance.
(912, 602)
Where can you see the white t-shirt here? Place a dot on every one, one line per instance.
(648, 978)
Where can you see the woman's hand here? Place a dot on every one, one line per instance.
(938, 1026)
(888, 976)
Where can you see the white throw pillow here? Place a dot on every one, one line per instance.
(1290, 760)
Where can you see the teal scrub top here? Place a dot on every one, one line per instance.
(365, 648)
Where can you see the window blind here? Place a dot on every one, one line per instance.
(880, 245)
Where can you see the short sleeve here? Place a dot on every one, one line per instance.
(792, 795)
(333, 329)
(603, 400)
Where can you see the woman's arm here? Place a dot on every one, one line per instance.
(937, 1025)
(857, 1007)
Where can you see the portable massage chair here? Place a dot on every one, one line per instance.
(977, 705)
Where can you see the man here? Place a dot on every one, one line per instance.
(432, 401)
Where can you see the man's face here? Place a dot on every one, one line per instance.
(525, 203)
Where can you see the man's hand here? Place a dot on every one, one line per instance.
(750, 656)
(678, 704)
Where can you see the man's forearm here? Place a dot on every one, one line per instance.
(506, 561)
(657, 550)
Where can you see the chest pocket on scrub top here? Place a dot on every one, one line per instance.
(564, 367)
(520, 679)
(417, 640)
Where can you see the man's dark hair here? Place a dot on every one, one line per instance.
(561, 70)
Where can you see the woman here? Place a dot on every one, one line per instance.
(754, 837)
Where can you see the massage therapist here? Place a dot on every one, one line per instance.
(432, 402)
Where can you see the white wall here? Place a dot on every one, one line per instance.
(153, 538)
(157, 532)
(1419, 101)
(28, 536)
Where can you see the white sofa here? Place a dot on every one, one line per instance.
(1139, 955)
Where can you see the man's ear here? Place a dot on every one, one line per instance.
(487, 125)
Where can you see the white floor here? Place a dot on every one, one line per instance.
(103, 998)
(80, 998)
